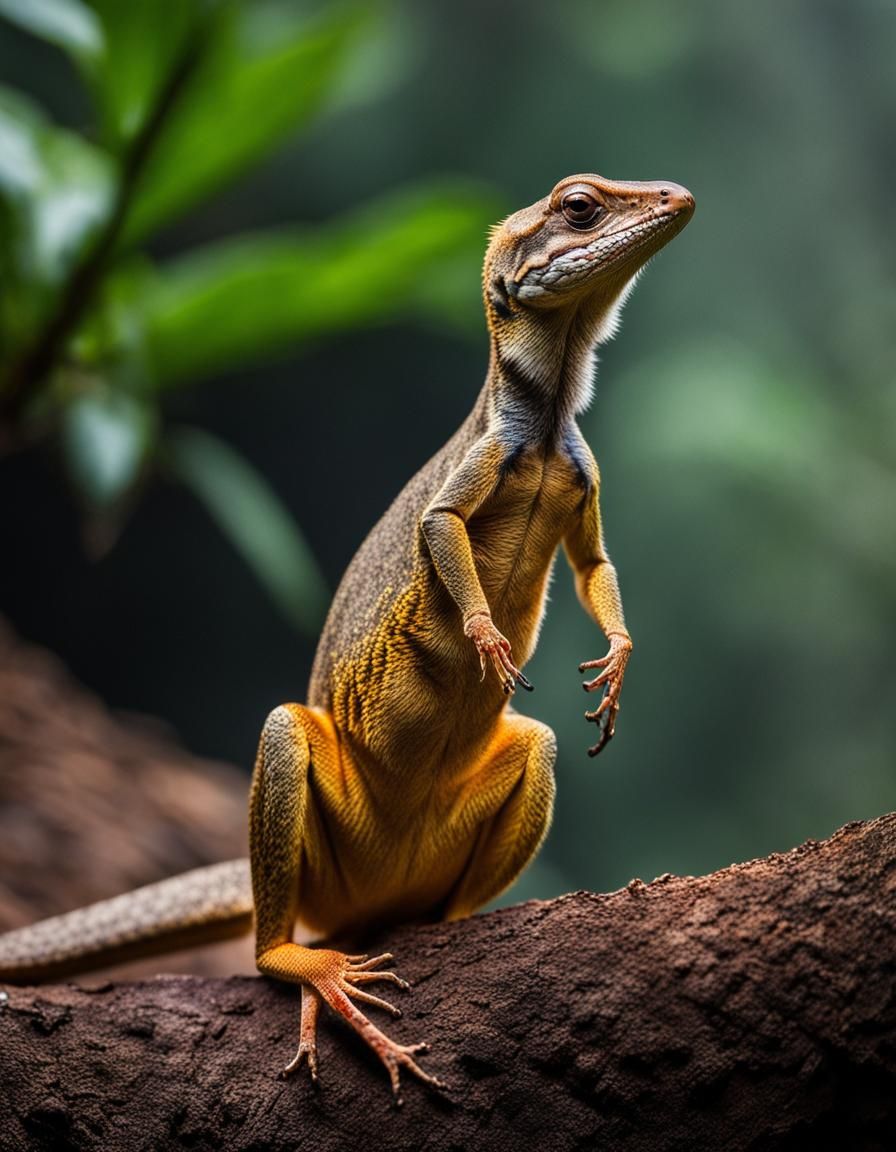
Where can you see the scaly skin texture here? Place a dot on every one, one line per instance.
(408, 787)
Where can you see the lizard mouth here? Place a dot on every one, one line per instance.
(633, 244)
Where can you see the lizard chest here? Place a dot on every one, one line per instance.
(517, 530)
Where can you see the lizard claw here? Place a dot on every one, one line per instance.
(610, 679)
(492, 645)
(606, 725)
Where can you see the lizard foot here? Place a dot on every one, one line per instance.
(335, 978)
(613, 665)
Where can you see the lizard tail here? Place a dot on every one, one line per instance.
(194, 908)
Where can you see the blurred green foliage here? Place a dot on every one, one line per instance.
(186, 97)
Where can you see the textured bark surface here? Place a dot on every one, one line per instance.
(92, 804)
(750, 1009)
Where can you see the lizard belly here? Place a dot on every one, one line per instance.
(399, 881)
(515, 536)
(391, 835)
(397, 697)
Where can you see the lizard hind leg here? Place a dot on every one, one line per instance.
(293, 737)
(516, 821)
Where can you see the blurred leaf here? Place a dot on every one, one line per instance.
(110, 341)
(67, 23)
(21, 125)
(252, 517)
(73, 201)
(143, 43)
(246, 298)
(106, 436)
(61, 185)
(56, 191)
(247, 92)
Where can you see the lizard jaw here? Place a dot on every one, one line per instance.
(630, 246)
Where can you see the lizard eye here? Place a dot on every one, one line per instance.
(580, 209)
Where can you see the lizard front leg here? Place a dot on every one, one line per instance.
(277, 826)
(598, 590)
(444, 527)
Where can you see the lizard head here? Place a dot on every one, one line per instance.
(578, 251)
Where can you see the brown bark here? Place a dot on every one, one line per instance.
(750, 1009)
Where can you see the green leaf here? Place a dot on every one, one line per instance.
(144, 42)
(106, 436)
(61, 185)
(249, 298)
(67, 23)
(252, 517)
(56, 191)
(248, 91)
(21, 127)
(110, 341)
(74, 200)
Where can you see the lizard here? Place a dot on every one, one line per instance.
(407, 787)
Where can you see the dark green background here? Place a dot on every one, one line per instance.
(743, 420)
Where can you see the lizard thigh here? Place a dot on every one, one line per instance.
(278, 813)
(509, 838)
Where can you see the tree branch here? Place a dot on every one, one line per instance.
(750, 1009)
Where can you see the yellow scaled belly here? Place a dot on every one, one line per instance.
(515, 536)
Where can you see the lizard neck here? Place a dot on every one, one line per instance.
(542, 364)
(540, 372)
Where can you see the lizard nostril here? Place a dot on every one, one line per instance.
(664, 191)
